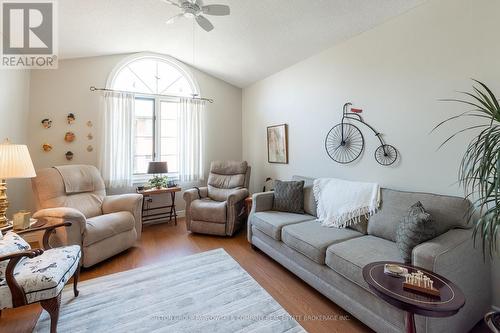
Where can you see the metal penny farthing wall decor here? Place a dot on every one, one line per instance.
(345, 143)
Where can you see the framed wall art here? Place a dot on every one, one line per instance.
(277, 144)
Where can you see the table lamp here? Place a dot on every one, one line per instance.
(15, 162)
(157, 168)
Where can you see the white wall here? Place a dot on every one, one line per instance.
(55, 93)
(396, 73)
(14, 95)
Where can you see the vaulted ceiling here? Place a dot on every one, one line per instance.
(259, 38)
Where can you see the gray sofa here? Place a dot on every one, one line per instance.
(331, 260)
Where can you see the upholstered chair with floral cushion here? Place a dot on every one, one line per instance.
(218, 209)
(104, 225)
(30, 276)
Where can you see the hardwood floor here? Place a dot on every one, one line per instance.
(164, 242)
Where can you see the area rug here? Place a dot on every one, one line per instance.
(206, 292)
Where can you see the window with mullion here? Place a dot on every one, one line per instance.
(156, 137)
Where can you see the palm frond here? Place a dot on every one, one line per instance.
(480, 165)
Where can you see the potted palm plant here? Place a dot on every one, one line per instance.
(479, 171)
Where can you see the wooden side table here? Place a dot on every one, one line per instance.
(153, 214)
(390, 289)
(248, 205)
(30, 234)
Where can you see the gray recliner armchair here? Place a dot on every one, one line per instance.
(219, 209)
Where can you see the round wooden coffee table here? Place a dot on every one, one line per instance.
(390, 289)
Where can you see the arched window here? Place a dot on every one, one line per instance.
(156, 81)
(153, 74)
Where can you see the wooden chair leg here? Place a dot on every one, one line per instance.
(76, 276)
(52, 307)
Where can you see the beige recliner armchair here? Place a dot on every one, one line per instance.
(103, 225)
(218, 209)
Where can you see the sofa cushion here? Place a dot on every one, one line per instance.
(348, 258)
(271, 222)
(209, 210)
(309, 200)
(289, 196)
(108, 225)
(361, 226)
(312, 239)
(448, 212)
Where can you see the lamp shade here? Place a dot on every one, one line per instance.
(157, 167)
(15, 161)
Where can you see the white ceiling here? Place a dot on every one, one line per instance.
(259, 38)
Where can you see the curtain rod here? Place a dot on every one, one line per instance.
(209, 100)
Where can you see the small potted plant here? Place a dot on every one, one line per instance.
(159, 182)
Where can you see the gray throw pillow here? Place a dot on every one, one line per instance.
(289, 196)
(415, 228)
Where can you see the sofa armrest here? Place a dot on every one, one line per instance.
(454, 256)
(262, 202)
(237, 196)
(189, 196)
(192, 194)
(60, 213)
(70, 235)
(130, 202)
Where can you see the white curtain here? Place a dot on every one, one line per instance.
(190, 140)
(117, 150)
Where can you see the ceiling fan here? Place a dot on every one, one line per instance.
(194, 9)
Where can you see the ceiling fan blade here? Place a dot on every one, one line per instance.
(219, 10)
(204, 23)
(174, 18)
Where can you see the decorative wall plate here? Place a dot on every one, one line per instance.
(47, 147)
(90, 136)
(46, 123)
(69, 155)
(89, 124)
(69, 137)
(90, 148)
(71, 118)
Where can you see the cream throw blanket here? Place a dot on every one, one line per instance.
(342, 203)
(76, 178)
